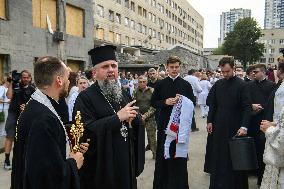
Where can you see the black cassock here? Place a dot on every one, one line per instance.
(259, 93)
(206, 168)
(39, 156)
(108, 163)
(170, 173)
(230, 109)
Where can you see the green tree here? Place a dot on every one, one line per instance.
(242, 42)
(219, 50)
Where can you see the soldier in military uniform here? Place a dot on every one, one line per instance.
(143, 95)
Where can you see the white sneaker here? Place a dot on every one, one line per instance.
(7, 166)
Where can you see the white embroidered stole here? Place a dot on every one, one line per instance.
(42, 98)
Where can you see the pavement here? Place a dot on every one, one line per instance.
(196, 177)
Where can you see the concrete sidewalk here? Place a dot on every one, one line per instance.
(197, 178)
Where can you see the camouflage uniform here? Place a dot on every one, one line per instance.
(143, 101)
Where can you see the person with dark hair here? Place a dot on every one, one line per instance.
(82, 84)
(153, 78)
(170, 173)
(259, 91)
(90, 76)
(73, 85)
(249, 73)
(270, 73)
(191, 71)
(42, 156)
(19, 92)
(229, 115)
(117, 138)
(152, 82)
(194, 82)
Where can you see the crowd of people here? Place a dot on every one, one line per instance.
(117, 107)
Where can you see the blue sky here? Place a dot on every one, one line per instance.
(212, 9)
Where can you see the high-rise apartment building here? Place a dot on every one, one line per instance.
(228, 21)
(153, 24)
(274, 14)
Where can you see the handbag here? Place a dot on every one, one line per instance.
(243, 153)
(2, 114)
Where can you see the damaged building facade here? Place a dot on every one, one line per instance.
(68, 29)
(35, 28)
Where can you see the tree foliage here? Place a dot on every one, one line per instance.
(242, 42)
(218, 51)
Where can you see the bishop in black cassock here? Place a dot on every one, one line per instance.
(116, 153)
(169, 173)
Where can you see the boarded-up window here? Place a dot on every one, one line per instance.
(75, 65)
(111, 36)
(100, 33)
(3, 9)
(43, 10)
(74, 21)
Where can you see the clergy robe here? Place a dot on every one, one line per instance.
(169, 173)
(112, 161)
(230, 109)
(39, 155)
(259, 93)
(206, 168)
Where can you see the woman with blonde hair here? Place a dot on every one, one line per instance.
(81, 83)
(201, 100)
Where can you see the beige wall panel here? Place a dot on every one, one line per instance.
(74, 21)
(36, 13)
(3, 9)
(48, 7)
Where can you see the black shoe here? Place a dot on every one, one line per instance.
(147, 148)
(194, 130)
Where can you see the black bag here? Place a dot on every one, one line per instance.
(2, 114)
(243, 153)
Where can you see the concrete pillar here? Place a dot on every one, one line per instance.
(61, 25)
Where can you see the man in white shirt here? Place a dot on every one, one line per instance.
(194, 82)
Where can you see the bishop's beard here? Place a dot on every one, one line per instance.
(111, 89)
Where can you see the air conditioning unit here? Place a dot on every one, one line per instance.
(97, 26)
(58, 36)
(161, 27)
